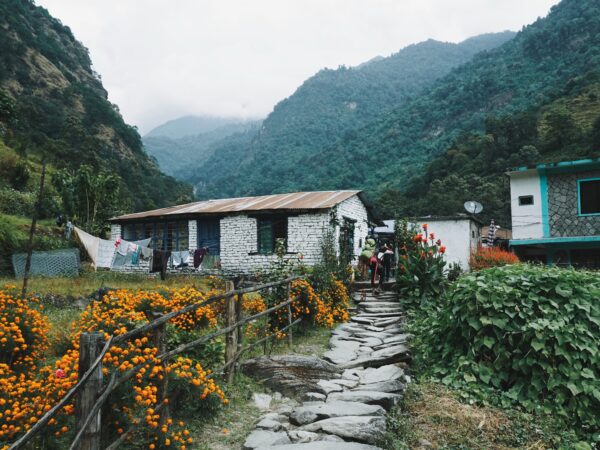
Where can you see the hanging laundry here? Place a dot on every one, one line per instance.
(181, 258)
(146, 252)
(199, 254)
(106, 253)
(122, 248)
(160, 261)
(121, 260)
(91, 244)
(135, 256)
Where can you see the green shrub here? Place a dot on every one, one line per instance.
(530, 333)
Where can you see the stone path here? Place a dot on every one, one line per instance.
(346, 408)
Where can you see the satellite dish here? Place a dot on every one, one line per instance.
(473, 207)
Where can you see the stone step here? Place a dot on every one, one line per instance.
(379, 315)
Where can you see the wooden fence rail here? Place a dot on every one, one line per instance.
(90, 394)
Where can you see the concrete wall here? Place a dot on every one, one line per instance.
(460, 237)
(563, 206)
(527, 221)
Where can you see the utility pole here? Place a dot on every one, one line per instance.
(36, 213)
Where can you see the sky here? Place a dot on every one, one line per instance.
(161, 59)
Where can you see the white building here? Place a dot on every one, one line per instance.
(459, 234)
(555, 211)
(240, 233)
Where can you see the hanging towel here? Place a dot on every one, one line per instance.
(106, 253)
(121, 260)
(135, 256)
(91, 244)
(181, 258)
(199, 254)
(146, 252)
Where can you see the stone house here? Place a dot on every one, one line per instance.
(555, 211)
(241, 233)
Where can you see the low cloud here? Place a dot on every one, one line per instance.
(160, 60)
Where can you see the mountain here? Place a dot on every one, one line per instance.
(53, 106)
(531, 70)
(332, 105)
(180, 156)
(191, 126)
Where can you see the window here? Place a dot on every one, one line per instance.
(526, 200)
(269, 229)
(165, 235)
(589, 196)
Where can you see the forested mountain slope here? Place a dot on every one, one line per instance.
(53, 106)
(533, 69)
(507, 96)
(330, 105)
(180, 156)
(190, 126)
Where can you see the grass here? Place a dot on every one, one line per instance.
(89, 282)
(431, 416)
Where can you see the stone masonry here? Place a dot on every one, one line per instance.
(563, 209)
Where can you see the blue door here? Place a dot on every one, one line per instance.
(209, 235)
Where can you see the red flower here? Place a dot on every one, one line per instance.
(418, 238)
(425, 226)
(431, 236)
(443, 249)
(60, 373)
(439, 242)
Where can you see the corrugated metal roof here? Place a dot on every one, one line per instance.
(293, 201)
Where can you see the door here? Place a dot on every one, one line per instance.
(209, 235)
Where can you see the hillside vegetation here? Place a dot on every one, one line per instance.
(53, 106)
(532, 99)
(331, 105)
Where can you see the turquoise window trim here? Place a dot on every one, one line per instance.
(544, 202)
(579, 213)
(557, 240)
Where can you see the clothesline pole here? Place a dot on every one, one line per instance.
(36, 213)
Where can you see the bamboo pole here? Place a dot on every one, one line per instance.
(231, 336)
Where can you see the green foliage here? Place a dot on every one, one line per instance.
(520, 334)
(333, 267)
(89, 197)
(53, 106)
(421, 262)
(333, 106)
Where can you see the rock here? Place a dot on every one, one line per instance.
(269, 424)
(351, 374)
(323, 445)
(364, 350)
(290, 374)
(382, 386)
(309, 414)
(400, 338)
(340, 356)
(424, 443)
(381, 357)
(346, 383)
(385, 399)
(359, 428)
(326, 387)
(344, 345)
(284, 410)
(277, 396)
(314, 397)
(299, 436)
(370, 342)
(303, 415)
(383, 373)
(262, 401)
(264, 438)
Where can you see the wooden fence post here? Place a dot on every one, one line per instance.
(90, 346)
(231, 336)
(160, 342)
(289, 311)
(239, 316)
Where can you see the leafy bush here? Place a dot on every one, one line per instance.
(421, 264)
(16, 202)
(529, 333)
(485, 257)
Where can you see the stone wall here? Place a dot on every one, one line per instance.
(115, 231)
(239, 241)
(563, 209)
(353, 208)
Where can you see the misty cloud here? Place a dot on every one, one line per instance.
(160, 60)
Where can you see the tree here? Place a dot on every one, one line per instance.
(88, 198)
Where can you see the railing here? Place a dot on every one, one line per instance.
(92, 348)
